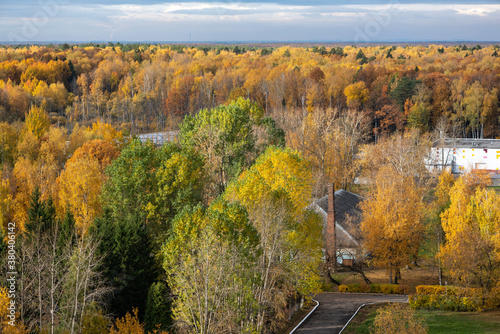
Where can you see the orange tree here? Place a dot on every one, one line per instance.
(392, 225)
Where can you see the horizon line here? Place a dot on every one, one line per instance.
(151, 42)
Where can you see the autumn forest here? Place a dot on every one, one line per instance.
(209, 233)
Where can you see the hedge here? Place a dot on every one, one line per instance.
(389, 289)
(451, 298)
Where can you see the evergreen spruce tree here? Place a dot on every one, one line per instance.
(67, 237)
(158, 308)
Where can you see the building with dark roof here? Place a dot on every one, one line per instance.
(347, 217)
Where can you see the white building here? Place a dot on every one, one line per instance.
(464, 155)
(159, 138)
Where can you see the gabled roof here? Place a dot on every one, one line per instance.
(346, 203)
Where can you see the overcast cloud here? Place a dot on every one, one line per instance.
(317, 20)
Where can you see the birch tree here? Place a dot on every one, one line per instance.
(275, 191)
(471, 225)
(209, 262)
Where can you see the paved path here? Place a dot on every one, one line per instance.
(336, 309)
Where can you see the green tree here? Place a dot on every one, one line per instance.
(94, 321)
(146, 187)
(209, 262)
(158, 308)
(404, 90)
(225, 137)
(127, 247)
(150, 185)
(180, 180)
(419, 117)
(132, 182)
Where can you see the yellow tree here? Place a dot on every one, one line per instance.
(441, 202)
(80, 182)
(102, 150)
(356, 94)
(107, 132)
(79, 187)
(37, 122)
(9, 136)
(210, 260)
(53, 146)
(5, 203)
(79, 136)
(129, 324)
(275, 191)
(472, 233)
(25, 181)
(392, 221)
(38, 166)
(28, 146)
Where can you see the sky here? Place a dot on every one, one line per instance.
(249, 21)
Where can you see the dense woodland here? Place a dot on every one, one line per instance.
(209, 234)
(141, 88)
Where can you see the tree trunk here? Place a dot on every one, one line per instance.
(73, 318)
(333, 280)
(397, 275)
(357, 269)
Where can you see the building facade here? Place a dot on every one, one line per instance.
(464, 155)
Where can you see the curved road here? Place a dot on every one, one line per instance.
(336, 309)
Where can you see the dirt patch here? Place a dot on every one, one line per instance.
(410, 277)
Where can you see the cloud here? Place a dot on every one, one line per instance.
(225, 20)
(477, 10)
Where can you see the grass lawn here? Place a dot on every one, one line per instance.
(363, 321)
(461, 323)
(437, 321)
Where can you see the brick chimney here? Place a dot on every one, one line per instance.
(330, 237)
